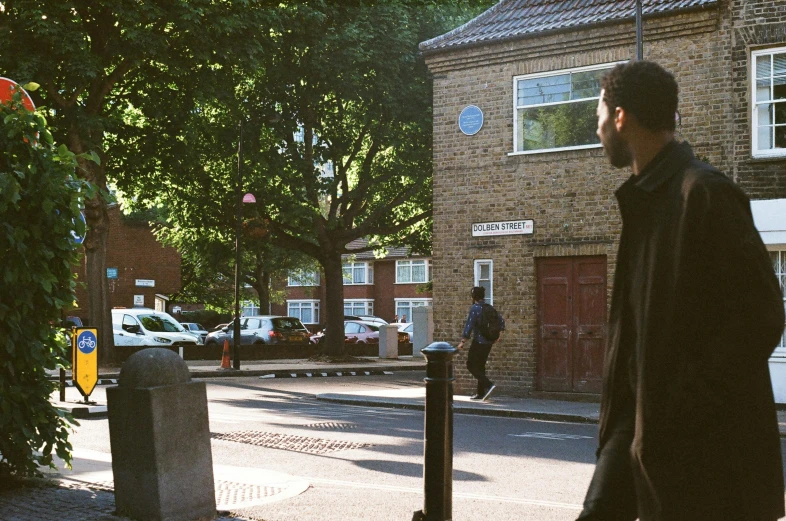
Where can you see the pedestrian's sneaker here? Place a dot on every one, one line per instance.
(488, 392)
(475, 397)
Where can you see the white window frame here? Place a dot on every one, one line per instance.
(490, 290)
(755, 152)
(410, 304)
(410, 263)
(780, 273)
(249, 308)
(367, 269)
(368, 306)
(516, 106)
(300, 304)
(302, 278)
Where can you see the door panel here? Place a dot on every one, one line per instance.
(572, 323)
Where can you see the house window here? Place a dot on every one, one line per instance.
(249, 308)
(769, 102)
(557, 110)
(779, 265)
(357, 307)
(358, 273)
(412, 271)
(303, 278)
(484, 277)
(404, 308)
(306, 310)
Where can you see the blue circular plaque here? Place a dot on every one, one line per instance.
(470, 120)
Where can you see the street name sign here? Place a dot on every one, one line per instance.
(524, 227)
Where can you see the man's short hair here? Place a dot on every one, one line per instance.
(478, 292)
(644, 89)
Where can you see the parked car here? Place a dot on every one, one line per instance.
(147, 327)
(372, 319)
(195, 329)
(219, 327)
(263, 329)
(360, 332)
(405, 327)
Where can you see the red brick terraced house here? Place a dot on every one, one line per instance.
(388, 287)
(523, 194)
(141, 271)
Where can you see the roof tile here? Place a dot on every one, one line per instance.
(511, 19)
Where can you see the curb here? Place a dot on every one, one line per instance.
(111, 378)
(460, 409)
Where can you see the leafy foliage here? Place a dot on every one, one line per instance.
(40, 200)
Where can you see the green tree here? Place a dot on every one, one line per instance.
(100, 62)
(40, 198)
(350, 155)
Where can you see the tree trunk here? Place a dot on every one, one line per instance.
(98, 309)
(334, 305)
(262, 286)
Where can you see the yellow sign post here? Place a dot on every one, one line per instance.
(84, 371)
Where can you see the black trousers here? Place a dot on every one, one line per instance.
(612, 493)
(476, 364)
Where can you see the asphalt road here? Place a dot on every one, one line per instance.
(366, 463)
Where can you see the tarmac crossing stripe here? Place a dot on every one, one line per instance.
(482, 497)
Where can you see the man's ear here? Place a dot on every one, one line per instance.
(620, 119)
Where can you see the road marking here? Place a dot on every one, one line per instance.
(552, 436)
(482, 497)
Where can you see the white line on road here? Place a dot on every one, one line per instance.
(482, 497)
(551, 436)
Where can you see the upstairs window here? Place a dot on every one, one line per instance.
(412, 271)
(557, 110)
(769, 102)
(303, 278)
(358, 273)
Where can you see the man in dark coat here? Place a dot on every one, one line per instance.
(688, 429)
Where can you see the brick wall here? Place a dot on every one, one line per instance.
(135, 252)
(569, 195)
(756, 25)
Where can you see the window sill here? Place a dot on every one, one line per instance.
(552, 150)
(769, 158)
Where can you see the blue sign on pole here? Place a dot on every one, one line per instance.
(79, 239)
(86, 342)
(470, 120)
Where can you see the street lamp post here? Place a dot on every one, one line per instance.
(239, 201)
(639, 31)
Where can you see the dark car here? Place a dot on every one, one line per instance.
(263, 329)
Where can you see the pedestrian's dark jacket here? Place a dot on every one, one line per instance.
(471, 325)
(696, 312)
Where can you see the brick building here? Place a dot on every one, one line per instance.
(141, 271)
(523, 194)
(387, 287)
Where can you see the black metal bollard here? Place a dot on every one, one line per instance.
(438, 438)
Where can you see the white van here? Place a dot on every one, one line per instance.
(147, 327)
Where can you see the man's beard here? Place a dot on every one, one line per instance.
(617, 151)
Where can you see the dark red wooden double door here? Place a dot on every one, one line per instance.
(571, 323)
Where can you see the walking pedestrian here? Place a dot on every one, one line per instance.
(688, 429)
(481, 345)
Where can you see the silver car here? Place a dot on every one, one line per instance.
(195, 329)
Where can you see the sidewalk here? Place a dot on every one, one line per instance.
(86, 492)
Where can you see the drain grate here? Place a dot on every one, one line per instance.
(332, 426)
(288, 442)
(230, 494)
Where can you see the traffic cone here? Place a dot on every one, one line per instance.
(225, 364)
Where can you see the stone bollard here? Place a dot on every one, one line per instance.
(388, 342)
(438, 437)
(160, 439)
(422, 328)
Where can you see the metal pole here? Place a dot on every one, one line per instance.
(238, 231)
(639, 30)
(438, 437)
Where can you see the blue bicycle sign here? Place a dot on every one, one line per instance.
(86, 342)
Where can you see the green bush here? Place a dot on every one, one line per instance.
(207, 317)
(40, 199)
